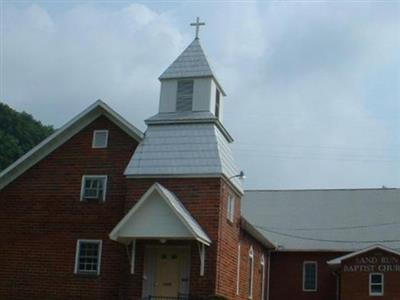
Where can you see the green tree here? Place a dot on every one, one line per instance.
(19, 132)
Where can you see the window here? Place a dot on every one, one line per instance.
(262, 263)
(251, 271)
(238, 271)
(217, 102)
(87, 257)
(310, 276)
(230, 210)
(100, 139)
(184, 97)
(94, 187)
(376, 284)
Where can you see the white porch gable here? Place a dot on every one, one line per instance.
(158, 215)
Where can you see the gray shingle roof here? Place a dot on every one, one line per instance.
(191, 63)
(184, 149)
(338, 220)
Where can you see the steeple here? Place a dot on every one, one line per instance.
(189, 86)
(186, 137)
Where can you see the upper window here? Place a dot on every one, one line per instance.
(230, 208)
(94, 187)
(184, 97)
(217, 102)
(251, 272)
(376, 284)
(310, 276)
(100, 139)
(88, 256)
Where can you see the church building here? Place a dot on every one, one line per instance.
(101, 210)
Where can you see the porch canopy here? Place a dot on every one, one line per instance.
(337, 262)
(159, 215)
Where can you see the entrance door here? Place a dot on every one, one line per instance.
(168, 272)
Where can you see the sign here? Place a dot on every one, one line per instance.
(372, 264)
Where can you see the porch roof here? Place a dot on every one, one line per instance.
(159, 215)
(338, 261)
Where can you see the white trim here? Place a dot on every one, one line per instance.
(186, 218)
(262, 263)
(304, 275)
(62, 135)
(78, 242)
(94, 138)
(238, 270)
(382, 284)
(338, 261)
(94, 176)
(133, 256)
(251, 273)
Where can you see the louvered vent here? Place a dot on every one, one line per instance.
(184, 95)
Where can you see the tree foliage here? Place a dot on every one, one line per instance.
(19, 132)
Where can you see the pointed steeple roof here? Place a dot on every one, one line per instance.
(191, 63)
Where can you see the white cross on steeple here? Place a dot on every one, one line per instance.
(197, 24)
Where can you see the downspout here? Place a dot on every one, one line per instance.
(268, 273)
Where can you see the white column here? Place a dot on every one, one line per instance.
(202, 252)
(133, 254)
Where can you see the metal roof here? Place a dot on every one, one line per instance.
(189, 150)
(191, 63)
(326, 220)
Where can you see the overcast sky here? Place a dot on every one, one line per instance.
(313, 87)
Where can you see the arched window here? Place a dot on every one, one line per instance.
(251, 272)
(238, 271)
(262, 263)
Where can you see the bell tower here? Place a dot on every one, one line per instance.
(189, 84)
(186, 138)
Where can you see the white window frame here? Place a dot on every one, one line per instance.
(94, 138)
(238, 271)
(304, 276)
(78, 244)
(251, 272)
(230, 208)
(84, 177)
(382, 284)
(262, 263)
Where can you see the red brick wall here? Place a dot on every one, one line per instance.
(245, 244)
(355, 285)
(287, 276)
(42, 217)
(228, 240)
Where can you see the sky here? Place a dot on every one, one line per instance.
(313, 87)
